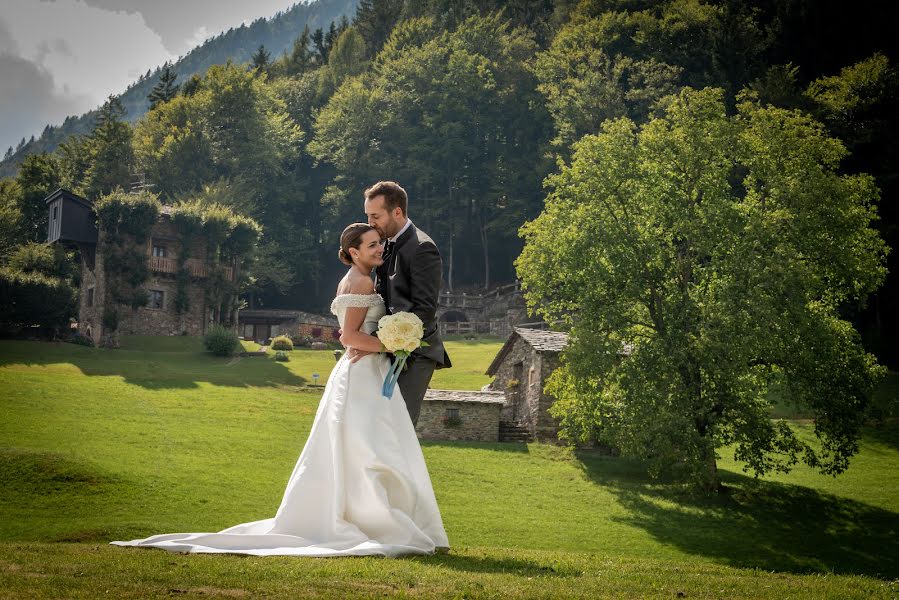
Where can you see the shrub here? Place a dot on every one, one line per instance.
(82, 340)
(282, 356)
(46, 259)
(452, 422)
(282, 342)
(220, 340)
(35, 299)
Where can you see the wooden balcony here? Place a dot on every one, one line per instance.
(197, 268)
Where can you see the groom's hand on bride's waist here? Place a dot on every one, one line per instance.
(354, 354)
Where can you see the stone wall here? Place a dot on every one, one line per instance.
(90, 297)
(512, 380)
(545, 428)
(479, 418)
(319, 333)
(165, 234)
(526, 402)
(145, 320)
(164, 321)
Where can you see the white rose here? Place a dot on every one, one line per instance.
(400, 332)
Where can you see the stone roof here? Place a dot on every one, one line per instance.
(542, 340)
(465, 396)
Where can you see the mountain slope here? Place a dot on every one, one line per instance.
(238, 44)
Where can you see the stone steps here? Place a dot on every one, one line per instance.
(514, 432)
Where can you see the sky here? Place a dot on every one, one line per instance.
(64, 57)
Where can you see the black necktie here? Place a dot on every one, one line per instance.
(388, 250)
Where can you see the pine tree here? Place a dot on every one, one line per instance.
(318, 40)
(375, 20)
(111, 154)
(8, 154)
(300, 59)
(261, 60)
(165, 89)
(331, 36)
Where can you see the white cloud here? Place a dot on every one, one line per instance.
(200, 35)
(31, 100)
(73, 55)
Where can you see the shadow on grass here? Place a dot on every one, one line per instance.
(492, 564)
(520, 448)
(153, 369)
(885, 433)
(45, 493)
(757, 524)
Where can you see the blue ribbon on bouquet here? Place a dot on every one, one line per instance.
(393, 374)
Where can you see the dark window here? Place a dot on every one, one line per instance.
(159, 251)
(54, 212)
(316, 332)
(90, 296)
(452, 413)
(156, 298)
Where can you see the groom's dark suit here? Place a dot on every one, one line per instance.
(409, 280)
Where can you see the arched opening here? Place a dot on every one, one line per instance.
(454, 316)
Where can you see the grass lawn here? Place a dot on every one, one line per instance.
(157, 437)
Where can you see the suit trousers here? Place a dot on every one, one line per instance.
(413, 382)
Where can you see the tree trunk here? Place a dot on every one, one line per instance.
(482, 226)
(449, 277)
(710, 482)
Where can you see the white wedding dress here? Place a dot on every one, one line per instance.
(360, 486)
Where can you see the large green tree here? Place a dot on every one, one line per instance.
(10, 216)
(453, 117)
(110, 156)
(234, 141)
(699, 262)
(38, 177)
(615, 59)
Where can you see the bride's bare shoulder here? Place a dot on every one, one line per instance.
(355, 282)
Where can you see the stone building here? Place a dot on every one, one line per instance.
(453, 415)
(72, 221)
(519, 371)
(262, 324)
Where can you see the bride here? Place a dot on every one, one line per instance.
(360, 486)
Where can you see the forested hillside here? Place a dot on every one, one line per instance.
(238, 44)
(469, 104)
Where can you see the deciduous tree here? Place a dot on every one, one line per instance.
(699, 262)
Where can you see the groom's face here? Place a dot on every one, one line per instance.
(386, 222)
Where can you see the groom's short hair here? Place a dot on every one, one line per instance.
(393, 194)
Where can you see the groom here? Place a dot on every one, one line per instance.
(408, 280)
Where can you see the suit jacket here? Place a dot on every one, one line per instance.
(409, 280)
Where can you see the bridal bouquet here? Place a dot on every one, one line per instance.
(400, 334)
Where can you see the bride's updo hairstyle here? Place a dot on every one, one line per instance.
(351, 238)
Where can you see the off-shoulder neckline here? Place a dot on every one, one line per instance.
(358, 295)
(358, 300)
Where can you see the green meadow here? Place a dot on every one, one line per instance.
(99, 445)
